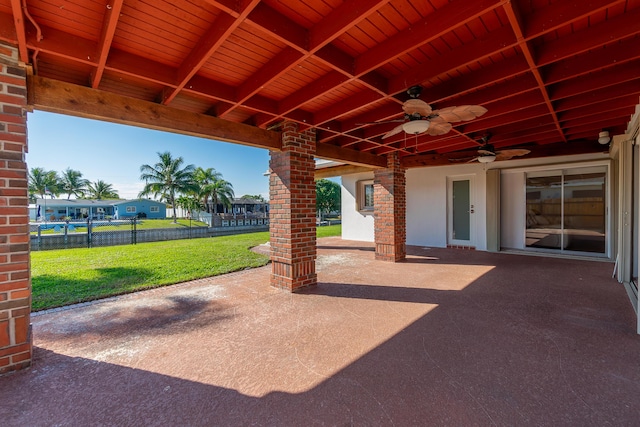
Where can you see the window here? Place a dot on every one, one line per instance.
(154, 209)
(131, 209)
(364, 193)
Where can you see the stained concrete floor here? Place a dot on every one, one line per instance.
(449, 337)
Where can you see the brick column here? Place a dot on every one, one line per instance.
(15, 282)
(390, 210)
(293, 210)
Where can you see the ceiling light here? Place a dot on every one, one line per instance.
(603, 137)
(416, 126)
(487, 158)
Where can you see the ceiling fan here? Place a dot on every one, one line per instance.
(487, 153)
(419, 117)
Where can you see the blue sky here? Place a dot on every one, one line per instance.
(114, 153)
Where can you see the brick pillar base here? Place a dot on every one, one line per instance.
(389, 211)
(15, 283)
(292, 210)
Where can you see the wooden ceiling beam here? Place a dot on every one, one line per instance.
(278, 26)
(316, 42)
(595, 127)
(345, 106)
(109, 24)
(484, 78)
(230, 7)
(340, 171)
(610, 114)
(210, 42)
(63, 45)
(515, 19)
(275, 68)
(20, 31)
(65, 98)
(484, 126)
(592, 37)
(599, 59)
(596, 80)
(469, 53)
(340, 19)
(203, 86)
(353, 157)
(599, 96)
(567, 17)
(311, 92)
(444, 20)
(594, 109)
(556, 15)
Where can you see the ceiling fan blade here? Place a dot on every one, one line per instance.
(514, 152)
(460, 113)
(394, 131)
(416, 106)
(473, 160)
(486, 152)
(508, 154)
(438, 127)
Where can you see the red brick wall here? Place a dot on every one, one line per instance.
(15, 282)
(390, 210)
(292, 210)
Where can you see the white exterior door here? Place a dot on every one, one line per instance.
(460, 210)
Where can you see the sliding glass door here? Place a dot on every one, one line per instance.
(566, 210)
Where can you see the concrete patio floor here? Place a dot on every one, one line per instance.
(449, 337)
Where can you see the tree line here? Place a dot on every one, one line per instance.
(168, 180)
(70, 182)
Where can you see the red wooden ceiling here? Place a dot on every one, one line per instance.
(547, 71)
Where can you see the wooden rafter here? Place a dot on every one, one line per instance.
(20, 32)
(111, 17)
(209, 43)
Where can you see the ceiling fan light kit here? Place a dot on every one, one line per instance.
(415, 127)
(487, 158)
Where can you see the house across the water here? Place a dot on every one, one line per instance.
(61, 209)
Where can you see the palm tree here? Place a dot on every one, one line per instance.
(220, 191)
(167, 178)
(42, 182)
(203, 178)
(73, 183)
(188, 203)
(101, 190)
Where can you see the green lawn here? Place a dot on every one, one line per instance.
(68, 276)
(329, 230)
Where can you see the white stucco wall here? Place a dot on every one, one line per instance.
(355, 225)
(427, 204)
(427, 201)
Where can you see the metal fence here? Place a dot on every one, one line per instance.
(93, 233)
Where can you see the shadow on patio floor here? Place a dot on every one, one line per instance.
(469, 338)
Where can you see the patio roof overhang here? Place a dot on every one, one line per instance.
(551, 74)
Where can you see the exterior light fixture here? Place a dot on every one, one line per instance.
(415, 127)
(603, 137)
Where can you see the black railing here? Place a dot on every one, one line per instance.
(94, 233)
